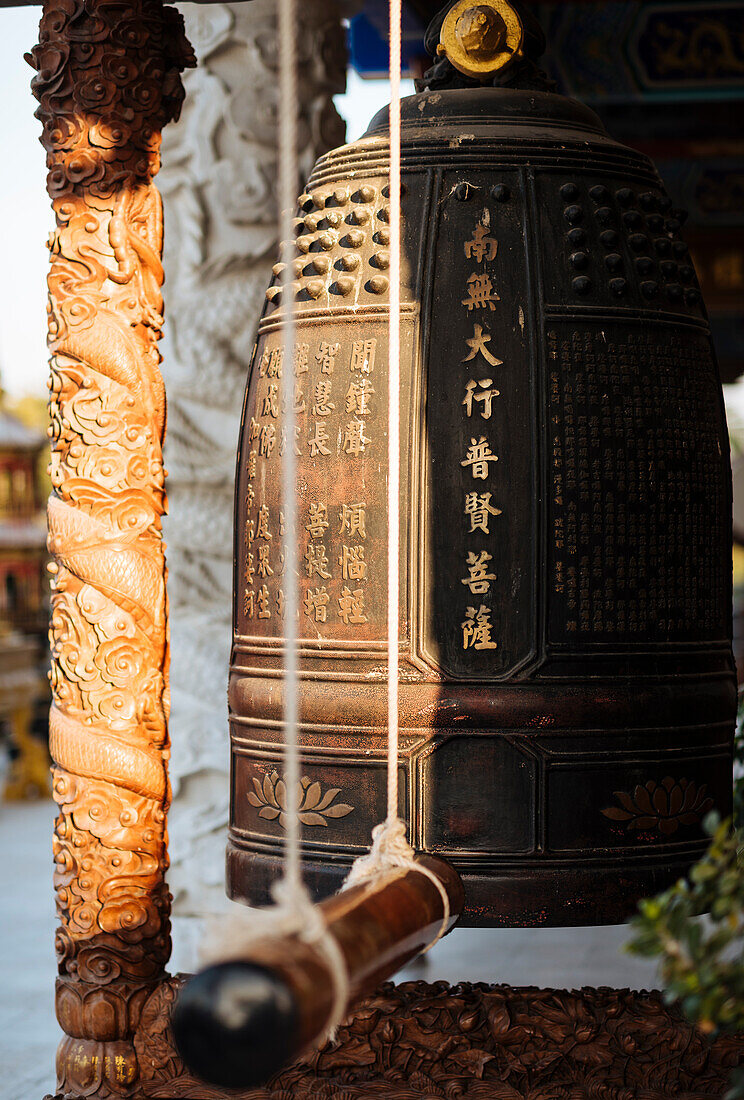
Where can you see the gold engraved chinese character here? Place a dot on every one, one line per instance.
(326, 356)
(264, 569)
(281, 522)
(478, 507)
(249, 568)
(249, 603)
(250, 531)
(250, 495)
(485, 395)
(254, 431)
(299, 400)
(270, 405)
(263, 603)
(354, 440)
(280, 602)
(318, 521)
(363, 356)
(262, 530)
(476, 629)
(300, 359)
(274, 369)
(480, 293)
(267, 441)
(316, 603)
(351, 606)
(252, 457)
(316, 560)
(263, 366)
(318, 440)
(352, 519)
(479, 581)
(477, 344)
(478, 456)
(322, 404)
(481, 247)
(357, 397)
(353, 565)
(283, 441)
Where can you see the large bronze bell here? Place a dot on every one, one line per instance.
(568, 691)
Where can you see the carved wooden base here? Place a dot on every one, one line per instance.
(478, 1042)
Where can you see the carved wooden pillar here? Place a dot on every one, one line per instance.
(107, 81)
(219, 193)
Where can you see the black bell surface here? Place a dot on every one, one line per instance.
(567, 686)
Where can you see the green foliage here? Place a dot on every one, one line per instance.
(702, 959)
(739, 767)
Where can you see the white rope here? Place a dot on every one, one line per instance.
(290, 893)
(393, 501)
(288, 181)
(293, 913)
(390, 846)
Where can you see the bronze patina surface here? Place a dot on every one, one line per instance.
(568, 694)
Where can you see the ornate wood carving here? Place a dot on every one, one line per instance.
(481, 1042)
(107, 81)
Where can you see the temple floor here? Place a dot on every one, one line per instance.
(562, 957)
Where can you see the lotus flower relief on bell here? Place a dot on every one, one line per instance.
(564, 520)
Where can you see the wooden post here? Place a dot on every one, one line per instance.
(107, 82)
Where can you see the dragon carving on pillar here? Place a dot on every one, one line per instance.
(108, 80)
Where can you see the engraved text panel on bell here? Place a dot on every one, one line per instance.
(639, 513)
(479, 494)
(339, 392)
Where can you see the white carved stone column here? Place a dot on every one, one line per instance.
(217, 182)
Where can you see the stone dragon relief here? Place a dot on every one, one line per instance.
(218, 186)
(107, 81)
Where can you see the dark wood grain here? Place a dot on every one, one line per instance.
(479, 1042)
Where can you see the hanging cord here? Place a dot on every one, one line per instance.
(293, 912)
(393, 501)
(288, 182)
(390, 845)
(291, 891)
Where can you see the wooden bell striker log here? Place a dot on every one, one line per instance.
(239, 1022)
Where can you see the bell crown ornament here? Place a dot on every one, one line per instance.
(567, 689)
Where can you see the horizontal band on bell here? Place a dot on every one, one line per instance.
(486, 153)
(320, 314)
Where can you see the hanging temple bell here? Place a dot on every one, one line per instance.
(567, 693)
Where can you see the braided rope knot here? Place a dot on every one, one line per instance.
(391, 848)
(292, 914)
